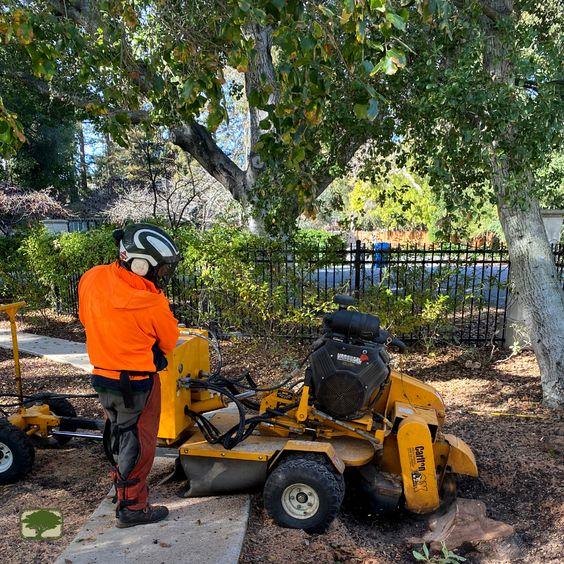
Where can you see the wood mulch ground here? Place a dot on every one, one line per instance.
(492, 403)
(73, 478)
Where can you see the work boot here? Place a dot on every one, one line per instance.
(151, 514)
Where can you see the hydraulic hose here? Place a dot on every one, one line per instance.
(237, 433)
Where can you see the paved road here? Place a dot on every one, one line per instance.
(477, 280)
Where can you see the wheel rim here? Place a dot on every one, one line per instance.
(300, 501)
(6, 457)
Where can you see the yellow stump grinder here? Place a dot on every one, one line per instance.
(343, 417)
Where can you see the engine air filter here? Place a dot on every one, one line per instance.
(341, 394)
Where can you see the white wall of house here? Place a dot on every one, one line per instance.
(55, 226)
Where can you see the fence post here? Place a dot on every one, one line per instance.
(357, 266)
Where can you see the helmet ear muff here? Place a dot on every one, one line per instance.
(139, 266)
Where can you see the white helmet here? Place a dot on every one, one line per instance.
(148, 251)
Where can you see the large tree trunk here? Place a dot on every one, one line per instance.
(535, 279)
(538, 291)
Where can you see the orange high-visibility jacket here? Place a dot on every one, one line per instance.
(123, 315)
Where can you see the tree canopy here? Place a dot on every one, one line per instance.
(315, 79)
(47, 158)
(462, 105)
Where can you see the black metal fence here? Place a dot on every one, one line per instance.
(438, 293)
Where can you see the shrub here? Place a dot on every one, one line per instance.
(247, 282)
(242, 281)
(53, 258)
(9, 250)
(16, 281)
(411, 300)
(228, 274)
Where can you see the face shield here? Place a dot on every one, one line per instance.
(163, 273)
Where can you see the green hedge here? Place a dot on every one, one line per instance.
(226, 272)
(249, 283)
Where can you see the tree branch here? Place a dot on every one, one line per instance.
(197, 140)
(260, 74)
(492, 9)
(346, 152)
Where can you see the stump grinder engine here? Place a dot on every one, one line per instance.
(343, 417)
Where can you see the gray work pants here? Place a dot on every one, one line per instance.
(124, 421)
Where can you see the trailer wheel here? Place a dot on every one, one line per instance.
(61, 407)
(16, 453)
(304, 492)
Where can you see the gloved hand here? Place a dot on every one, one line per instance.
(159, 358)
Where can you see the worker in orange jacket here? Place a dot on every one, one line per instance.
(129, 330)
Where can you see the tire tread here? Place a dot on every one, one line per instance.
(310, 464)
(24, 455)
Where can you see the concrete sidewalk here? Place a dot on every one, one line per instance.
(206, 530)
(201, 530)
(57, 350)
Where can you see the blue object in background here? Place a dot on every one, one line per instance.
(381, 254)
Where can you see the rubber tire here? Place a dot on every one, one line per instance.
(22, 449)
(61, 407)
(315, 471)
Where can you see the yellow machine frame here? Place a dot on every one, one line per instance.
(406, 442)
(36, 419)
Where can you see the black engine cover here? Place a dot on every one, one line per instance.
(344, 376)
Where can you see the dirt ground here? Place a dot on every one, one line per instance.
(72, 478)
(492, 403)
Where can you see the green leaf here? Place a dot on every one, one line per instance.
(159, 84)
(388, 65)
(6, 135)
(398, 57)
(279, 3)
(299, 155)
(360, 30)
(417, 555)
(307, 43)
(345, 17)
(326, 11)
(379, 5)
(188, 89)
(368, 66)
(214, 119)
(254, 98)
(361, 110)
(396, 21)
(317, 30)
